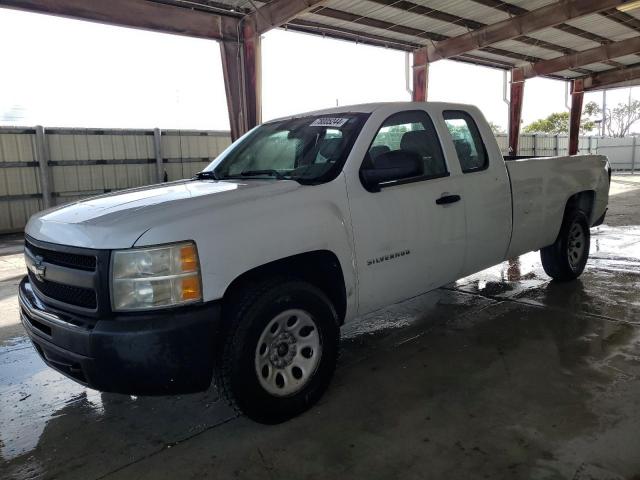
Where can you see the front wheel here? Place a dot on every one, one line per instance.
(280, 349)
(566, 258)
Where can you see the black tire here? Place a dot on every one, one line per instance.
(247, 318)
(558, 261)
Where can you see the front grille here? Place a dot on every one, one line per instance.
(73, 279)
(64, 259)
(80, 297)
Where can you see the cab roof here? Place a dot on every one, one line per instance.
(372, 107)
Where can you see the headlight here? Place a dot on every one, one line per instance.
(156, 277)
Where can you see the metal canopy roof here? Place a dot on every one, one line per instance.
(410, 25)
(593, 43)
(590, 36)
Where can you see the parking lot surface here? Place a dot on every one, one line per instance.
(503, 374)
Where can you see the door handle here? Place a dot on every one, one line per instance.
(447, 199)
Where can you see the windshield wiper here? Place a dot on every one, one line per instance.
(271, 172)
(207, 175)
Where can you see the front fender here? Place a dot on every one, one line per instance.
(234, 239)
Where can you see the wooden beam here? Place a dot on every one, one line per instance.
(607, 79)
(375, 23)
(565, 27)
(585, 57)
(279, 12)
(577, 97)
(626, 84)
(623, 18)
(517, 10)
(468, 23)
(420, 78)
(357, 36)
(349, 17)
(366, 38)
(515, 111)
(529, 22)
(140, 14)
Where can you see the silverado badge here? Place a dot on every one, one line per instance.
(386, 258)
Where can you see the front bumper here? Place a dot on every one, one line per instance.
(158, 353)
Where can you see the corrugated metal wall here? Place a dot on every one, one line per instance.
(19, 178)
(87, 162)
(547, 145)
(189, 151)
(84, 162)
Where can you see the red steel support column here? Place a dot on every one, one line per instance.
(515, 109)
(577, 95)
(420, 76)
(233, 85)
(252, 73)
(241, 67)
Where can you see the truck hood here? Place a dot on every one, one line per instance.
(117, 220)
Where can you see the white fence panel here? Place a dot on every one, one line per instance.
(544, 145)
(19, 178)
(622, 152)
(82, 162)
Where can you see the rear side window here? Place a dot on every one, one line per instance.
(409, 133)
(470, 148)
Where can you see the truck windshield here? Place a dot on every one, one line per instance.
(310, 149)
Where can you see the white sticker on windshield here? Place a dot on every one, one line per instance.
(329, 122)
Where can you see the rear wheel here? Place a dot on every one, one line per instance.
(566, 258)
(280, 350)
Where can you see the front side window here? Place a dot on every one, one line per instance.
(308, 149)
(404, 138)
(466, 140)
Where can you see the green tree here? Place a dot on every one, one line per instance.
(619, 119)
(557, 123)
(497, 129)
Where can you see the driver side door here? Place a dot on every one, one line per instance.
(410, 232)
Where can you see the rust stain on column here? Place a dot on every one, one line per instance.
(420, 76)
(577, 96)
(515, 110)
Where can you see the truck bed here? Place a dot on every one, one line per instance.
(540, 189)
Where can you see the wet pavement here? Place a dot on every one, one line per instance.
(503, 374)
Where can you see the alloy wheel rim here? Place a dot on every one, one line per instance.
(288, 353)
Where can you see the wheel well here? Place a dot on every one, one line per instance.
(582, 201)
(320, 268)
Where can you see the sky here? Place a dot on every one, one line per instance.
(59, 72)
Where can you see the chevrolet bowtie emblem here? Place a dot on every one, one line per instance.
(38, 267)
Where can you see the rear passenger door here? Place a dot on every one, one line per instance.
(408, 240)
(485, 188)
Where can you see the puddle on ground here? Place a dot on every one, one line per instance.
(507, 279)
(612, 274)
(41, 413)
(423, 309)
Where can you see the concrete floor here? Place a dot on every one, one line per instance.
(500, 375)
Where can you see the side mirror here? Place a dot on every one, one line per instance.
(389, 167)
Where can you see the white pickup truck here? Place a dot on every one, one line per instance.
(245, 273)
